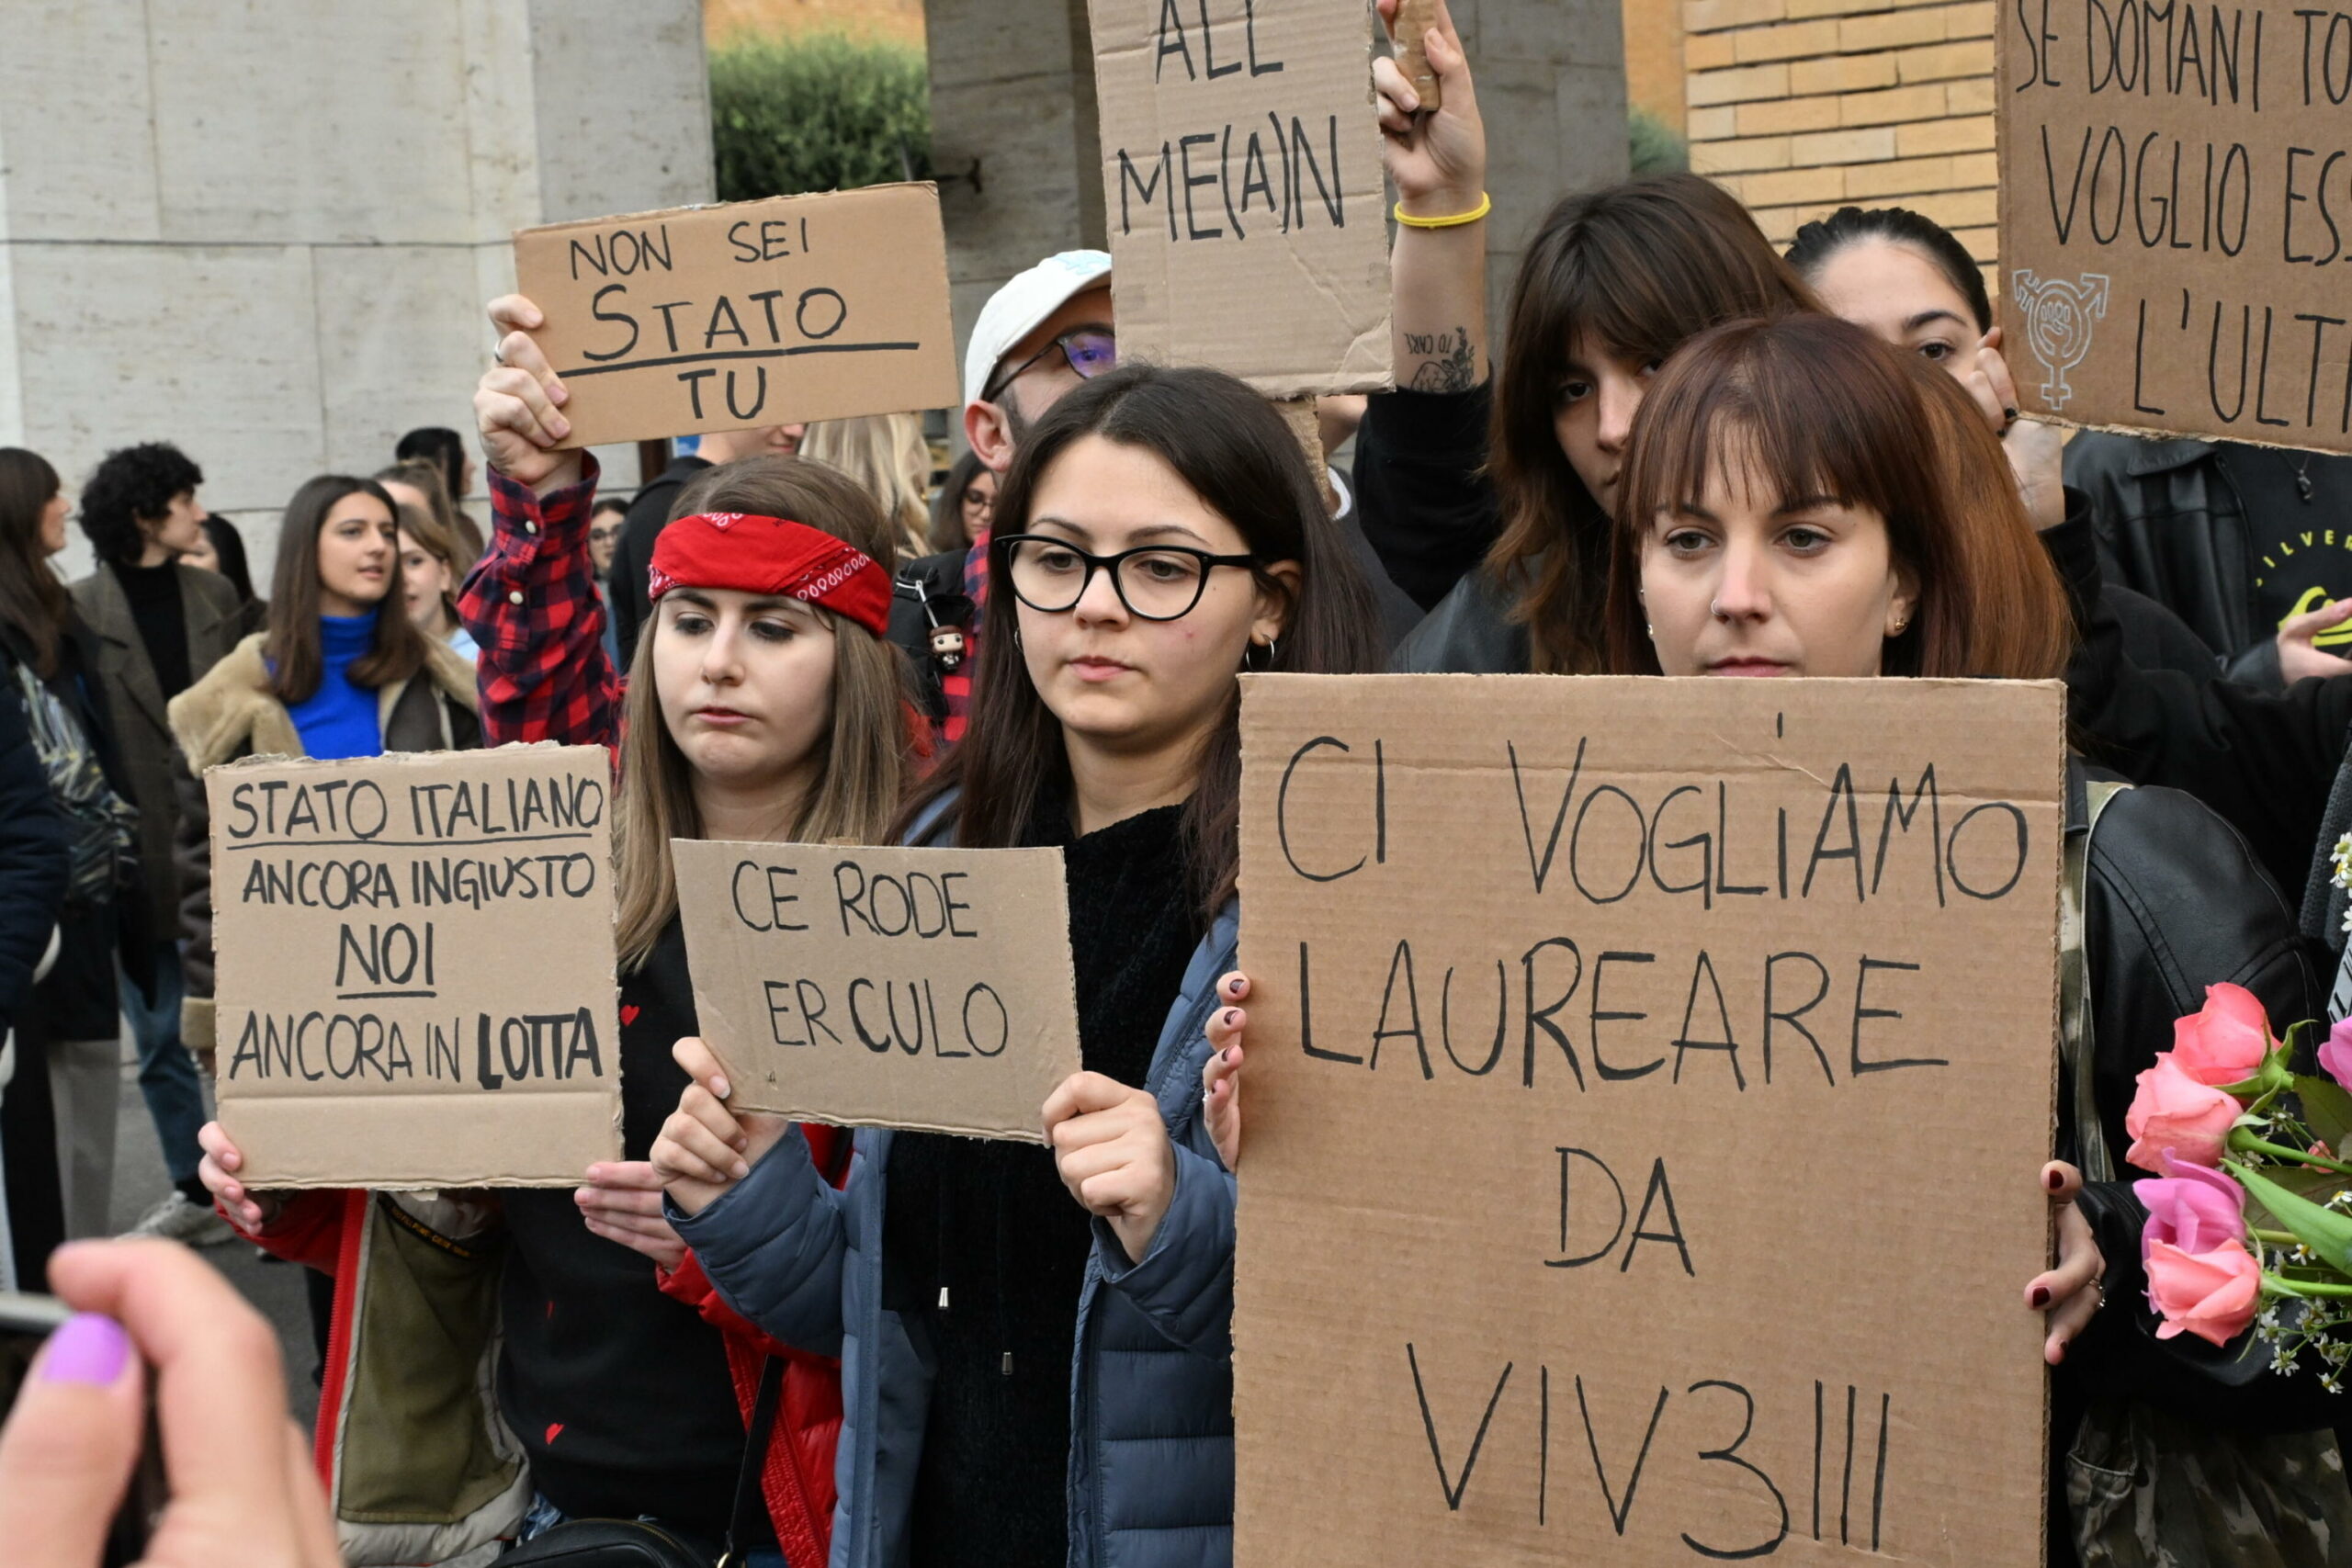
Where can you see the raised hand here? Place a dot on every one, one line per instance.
(517, 404)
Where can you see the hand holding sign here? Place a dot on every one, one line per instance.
(1112, 1149)
(706, 1147)
(516, 404)
(1221, 1075)
(1433, 144)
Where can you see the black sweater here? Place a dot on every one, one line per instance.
(989, 1230)
(620, 1395)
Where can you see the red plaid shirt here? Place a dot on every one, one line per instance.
(531, 602)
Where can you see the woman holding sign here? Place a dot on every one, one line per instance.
(1777, 520)
(1010, 1355)
(762, 704)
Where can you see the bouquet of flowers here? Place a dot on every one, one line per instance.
(2250, 1213)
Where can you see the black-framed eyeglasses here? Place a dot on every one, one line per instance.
(1090, 350)
(1156, 582)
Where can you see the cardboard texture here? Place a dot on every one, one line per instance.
(2175, 212)
(1644, 1118)
(414, 967)
(1242, 189)
(758, 312)
(884, 987)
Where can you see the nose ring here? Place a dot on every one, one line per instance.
(1714, 608)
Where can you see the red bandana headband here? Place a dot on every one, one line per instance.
(770, 555)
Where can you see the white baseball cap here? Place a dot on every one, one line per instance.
(1015, 310)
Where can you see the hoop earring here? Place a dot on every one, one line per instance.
(1273, 648)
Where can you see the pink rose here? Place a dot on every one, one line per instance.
(2225, 1040)
(2212, 1294)
(2191, 1208)
(2173, 1114)
(2336, 1056)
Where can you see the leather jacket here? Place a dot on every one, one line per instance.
(2172, 524)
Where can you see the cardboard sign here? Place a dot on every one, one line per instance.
(759, 312)
(2176, 215)
(1242, 189)
(414, 967)
(884, 987)
(1649, 1082)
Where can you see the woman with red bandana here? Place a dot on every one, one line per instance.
(761, 704)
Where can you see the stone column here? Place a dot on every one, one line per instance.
(1551, 77)
(267, 239)
(1014, 138)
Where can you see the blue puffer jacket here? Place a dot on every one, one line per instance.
(1151, 1375)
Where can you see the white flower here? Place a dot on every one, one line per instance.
(2342, 857)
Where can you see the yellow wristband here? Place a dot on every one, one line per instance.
(1485, 205)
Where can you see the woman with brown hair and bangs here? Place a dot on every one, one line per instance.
(1800, 499)
(1498, 521)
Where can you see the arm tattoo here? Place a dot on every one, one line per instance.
(1448, 364)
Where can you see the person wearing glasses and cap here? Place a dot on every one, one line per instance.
(1040, 335)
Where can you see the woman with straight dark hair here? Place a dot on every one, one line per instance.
(339, 671)
(1012, 1355)
(1500, 524)
(960, 512)
(58, 1116)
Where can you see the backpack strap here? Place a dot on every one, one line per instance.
(2076, 1038)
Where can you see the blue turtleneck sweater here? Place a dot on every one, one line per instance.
(339, 718)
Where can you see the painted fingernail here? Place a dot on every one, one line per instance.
(2055, 1180)
(1229, 1053)
(1232, 1018)
(2008, 413)
(2039, 1296)
(1233, 987)
(89, 1349)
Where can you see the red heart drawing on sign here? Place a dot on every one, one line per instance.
(629, 1013)
(553, 1427)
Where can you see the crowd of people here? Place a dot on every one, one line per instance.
(1690, 453)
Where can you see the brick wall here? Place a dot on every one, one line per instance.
(1799, 106)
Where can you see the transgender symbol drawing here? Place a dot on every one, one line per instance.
(2058, 317)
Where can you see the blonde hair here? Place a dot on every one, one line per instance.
(885, 453)
(865, 750)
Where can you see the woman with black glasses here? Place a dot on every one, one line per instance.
(1031, 1378)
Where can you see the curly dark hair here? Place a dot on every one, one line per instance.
(130, 484)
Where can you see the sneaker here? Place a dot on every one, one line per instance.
(176, 1219)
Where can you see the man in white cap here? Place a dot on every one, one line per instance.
(1037, 337)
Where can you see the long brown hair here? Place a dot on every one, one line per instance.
(423, 476)
(1640, 267)
(864, 761)
(1820, 407)
(1234, 451)
(296, 662)
(31, 599)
